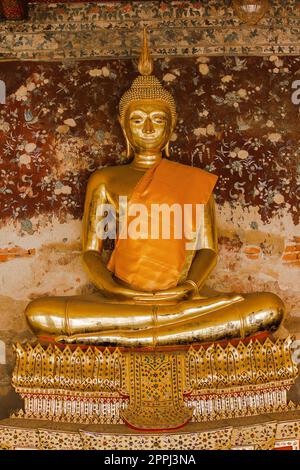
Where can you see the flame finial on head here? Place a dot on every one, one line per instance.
(145, 63)
(146, 86)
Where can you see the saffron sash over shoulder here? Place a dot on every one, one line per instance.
(150, 264)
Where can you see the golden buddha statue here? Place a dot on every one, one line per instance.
(150, 292)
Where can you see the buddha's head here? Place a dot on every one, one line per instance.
(147, 111)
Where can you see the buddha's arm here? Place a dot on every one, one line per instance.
(92, 244)
(206, 256)
(92, 241)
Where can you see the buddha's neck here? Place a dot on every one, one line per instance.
(145, 162)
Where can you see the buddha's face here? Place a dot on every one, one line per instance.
(147, 126)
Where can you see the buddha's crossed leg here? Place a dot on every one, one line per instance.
(92, 320)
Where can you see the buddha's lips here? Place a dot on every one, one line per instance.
(148, 141)
(148, 138)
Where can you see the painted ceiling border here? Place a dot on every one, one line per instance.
(97, 30)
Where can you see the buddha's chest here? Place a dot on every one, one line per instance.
(121, 189)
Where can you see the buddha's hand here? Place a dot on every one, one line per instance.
(181, 291)
(115, 289)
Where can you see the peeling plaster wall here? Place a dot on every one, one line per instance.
(59, 124)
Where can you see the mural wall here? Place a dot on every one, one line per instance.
(237, 119)
(58, 31)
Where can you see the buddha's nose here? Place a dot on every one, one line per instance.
(148, 126)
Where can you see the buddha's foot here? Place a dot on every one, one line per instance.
(93, 339)
(125, 338)
(65, 339)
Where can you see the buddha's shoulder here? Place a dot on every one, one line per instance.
(107, 175)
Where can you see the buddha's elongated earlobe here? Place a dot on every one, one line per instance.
(129, 151)
(167, 147)
(167, 150)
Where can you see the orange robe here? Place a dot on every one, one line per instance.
(150, 264)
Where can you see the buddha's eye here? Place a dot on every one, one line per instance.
(136, 120)
(159, 119)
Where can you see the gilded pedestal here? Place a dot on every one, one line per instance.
(155, 389)
(81, 397)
